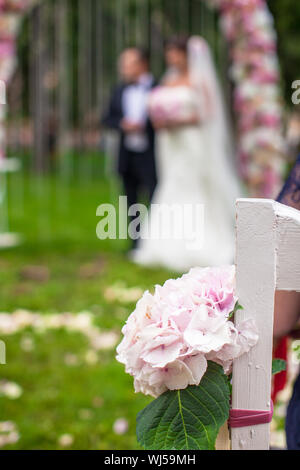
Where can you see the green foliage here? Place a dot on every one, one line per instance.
(278, 365)
(287, 19)
(187, 419)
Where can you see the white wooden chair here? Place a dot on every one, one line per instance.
(267, 259)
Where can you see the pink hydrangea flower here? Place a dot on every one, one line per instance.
(172, 334)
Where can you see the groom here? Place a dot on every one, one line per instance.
(127, 112)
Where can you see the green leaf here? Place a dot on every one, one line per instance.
(278, 365)
(187, 419)
(236, 308)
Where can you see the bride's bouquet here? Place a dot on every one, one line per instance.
(179, 345)
(164, 104)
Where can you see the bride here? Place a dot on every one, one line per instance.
(195, 162)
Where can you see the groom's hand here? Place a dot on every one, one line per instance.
(129, 126)
(161, 124)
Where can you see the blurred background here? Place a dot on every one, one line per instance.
(65, 294)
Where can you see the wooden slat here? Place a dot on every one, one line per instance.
(256, 264)
(288, 248)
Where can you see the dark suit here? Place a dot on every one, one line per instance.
(137, 169)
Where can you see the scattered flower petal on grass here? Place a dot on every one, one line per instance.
(8, 433)
(7, 426)
(66, 440)
(120, 426)
(10, 390)
(82, 322)
(104, 341)
(120, 293)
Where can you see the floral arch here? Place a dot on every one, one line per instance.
(249, 30)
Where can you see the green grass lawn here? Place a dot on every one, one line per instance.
(62, 267)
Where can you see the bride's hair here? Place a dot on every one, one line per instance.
(177, 42)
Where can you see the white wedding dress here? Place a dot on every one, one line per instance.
(193, 169)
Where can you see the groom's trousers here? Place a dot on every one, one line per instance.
(139, 178)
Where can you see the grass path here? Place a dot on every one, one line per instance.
(69, 396)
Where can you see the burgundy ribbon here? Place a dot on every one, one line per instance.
(243, 418)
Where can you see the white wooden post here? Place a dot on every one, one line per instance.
(267, 258)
